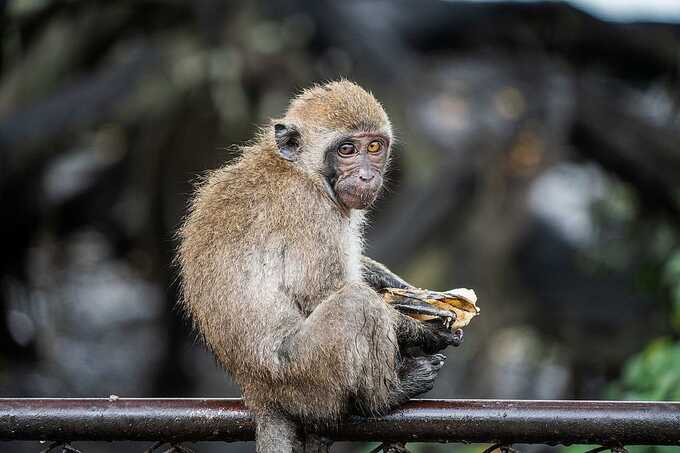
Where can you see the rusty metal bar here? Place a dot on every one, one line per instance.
(612, 423)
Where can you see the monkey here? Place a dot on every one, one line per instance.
(274, 277)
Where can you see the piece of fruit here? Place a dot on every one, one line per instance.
(455, 307)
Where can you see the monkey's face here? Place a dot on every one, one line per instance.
(356, 164)
(341, 133)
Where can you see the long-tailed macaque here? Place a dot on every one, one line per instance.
(274, 278)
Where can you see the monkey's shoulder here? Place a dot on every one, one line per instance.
(285, 231)
(244, 196)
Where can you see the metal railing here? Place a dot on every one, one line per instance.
(611, 424)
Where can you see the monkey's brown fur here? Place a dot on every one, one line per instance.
(272, 274)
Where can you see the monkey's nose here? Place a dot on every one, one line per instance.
(366, 177)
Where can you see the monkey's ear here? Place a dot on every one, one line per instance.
(288, 141)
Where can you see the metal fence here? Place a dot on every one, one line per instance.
(170, 422)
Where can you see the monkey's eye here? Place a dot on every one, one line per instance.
(346, 149)
(374, 147)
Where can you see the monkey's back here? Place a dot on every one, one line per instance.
(257, 255)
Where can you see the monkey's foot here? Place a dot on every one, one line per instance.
(418, 374)
(315, 443)
(398, 447)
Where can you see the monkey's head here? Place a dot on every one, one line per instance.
(339, 134)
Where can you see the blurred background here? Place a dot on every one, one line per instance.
(538, 163)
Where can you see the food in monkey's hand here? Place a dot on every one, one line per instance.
(455, 307)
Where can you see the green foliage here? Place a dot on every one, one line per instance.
(654, 374)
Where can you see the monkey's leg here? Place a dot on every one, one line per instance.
(275, 433)
(417, 375)
(379, 277)
(345, 350)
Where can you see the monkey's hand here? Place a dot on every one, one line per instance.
(429, 336)
(438, 335)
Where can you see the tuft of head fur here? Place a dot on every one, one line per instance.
(340, 105)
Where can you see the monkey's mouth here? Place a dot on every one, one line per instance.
(356, 195)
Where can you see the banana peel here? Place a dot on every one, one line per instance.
(455, 308)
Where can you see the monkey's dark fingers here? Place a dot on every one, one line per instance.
(460, 337)
(454, 338)
(439, 325)
(65, 446)
(437, 360)
(410, 305)
(440, 336)
(417, 374)
(397, 448)
(424, 363)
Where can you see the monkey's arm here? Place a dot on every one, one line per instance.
(430, 336)
(379, 277)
